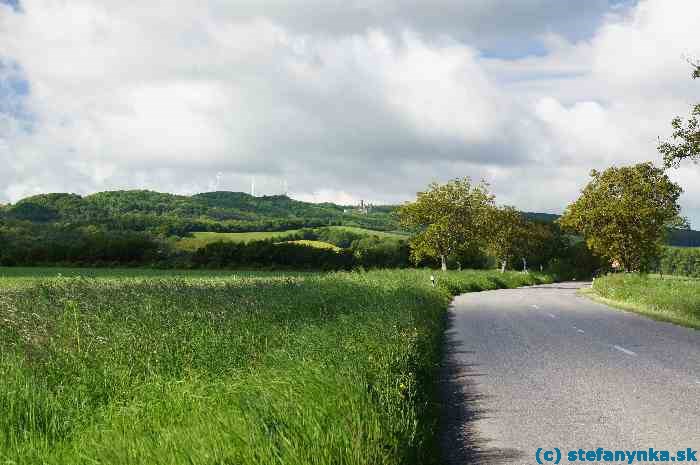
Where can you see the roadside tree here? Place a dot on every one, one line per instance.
(447, 217)
(686, 138)
(507, 238)
(624, 213)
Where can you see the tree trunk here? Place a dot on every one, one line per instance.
(443, 261)
(503, 266)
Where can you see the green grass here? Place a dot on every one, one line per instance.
(318, 245)
(205, 368)
(674, 299)
(13, 276)
(371, 232)
(201, 239)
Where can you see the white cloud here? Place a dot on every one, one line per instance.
(364, 99)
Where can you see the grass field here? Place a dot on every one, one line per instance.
(318, 245)
(673, 299)
(371, 232)
(224, 369)
(12, 276)
(201, 239)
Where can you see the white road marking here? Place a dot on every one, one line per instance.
(580, 331)
(551, 315)
(535, 306)
(622, 349)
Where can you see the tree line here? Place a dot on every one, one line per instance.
(176, 215)
(25, 243)
(461, 218)
(624, 215)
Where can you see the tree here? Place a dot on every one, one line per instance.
(542, 243)
(686, 139)
(445, 217)
(508, 229)
(623, 213)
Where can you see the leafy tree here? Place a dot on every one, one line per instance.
(542, 243)
(376, 252)
(446, 217)
(514, 237)
(686, 139)
(623, 213)
(507, 238)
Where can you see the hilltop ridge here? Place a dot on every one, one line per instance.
(219, 211)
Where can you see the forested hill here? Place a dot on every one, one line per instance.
(170, 214)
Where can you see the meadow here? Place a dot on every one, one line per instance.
(201, 239)
(136, 367)
(27, 275)
(669, 298)
(318, 244)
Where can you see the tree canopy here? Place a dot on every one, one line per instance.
(685, 143)
(623, 213)
(508, 228)
(446, 218)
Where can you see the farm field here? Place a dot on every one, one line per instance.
(12, 276)
(201, 239)
(669, 298)
(317, 244)
(141, 367)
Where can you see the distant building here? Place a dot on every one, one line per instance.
(362, 208)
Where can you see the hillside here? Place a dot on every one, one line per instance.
(170, 214)
(223, 212)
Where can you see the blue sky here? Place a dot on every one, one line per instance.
(12, 3)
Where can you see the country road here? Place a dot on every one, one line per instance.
(542, 367)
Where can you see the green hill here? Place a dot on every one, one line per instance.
(170, 214)
(215, 212)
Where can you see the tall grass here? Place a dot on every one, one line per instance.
(671, 299)
(337, 368)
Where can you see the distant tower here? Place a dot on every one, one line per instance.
(252, 186)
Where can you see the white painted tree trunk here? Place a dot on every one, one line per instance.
(503, 266)
(443, 260)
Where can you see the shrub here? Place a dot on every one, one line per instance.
(680, 261)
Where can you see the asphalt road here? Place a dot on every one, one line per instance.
(542, 367)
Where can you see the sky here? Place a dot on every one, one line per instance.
(341, 100)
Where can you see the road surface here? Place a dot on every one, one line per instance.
(542, 367)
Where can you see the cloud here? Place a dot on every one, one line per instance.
(344, 100)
